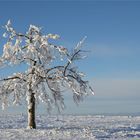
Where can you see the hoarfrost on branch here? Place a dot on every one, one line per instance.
(46, 81)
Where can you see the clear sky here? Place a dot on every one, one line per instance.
(113, 38)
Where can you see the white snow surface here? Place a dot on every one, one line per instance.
(70, 127)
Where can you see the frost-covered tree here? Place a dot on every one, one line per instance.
(50, 71)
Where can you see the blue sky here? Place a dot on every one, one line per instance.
(113, 38)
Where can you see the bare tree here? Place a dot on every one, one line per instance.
(44, 79)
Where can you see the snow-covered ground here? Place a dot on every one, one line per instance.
(70, 127)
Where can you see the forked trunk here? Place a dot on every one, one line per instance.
(31, 112)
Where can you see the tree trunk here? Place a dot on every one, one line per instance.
(31, 111)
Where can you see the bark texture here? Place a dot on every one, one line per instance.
(31, 112)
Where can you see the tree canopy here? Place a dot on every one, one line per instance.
(50, 68)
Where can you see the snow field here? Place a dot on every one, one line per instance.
(70, 127)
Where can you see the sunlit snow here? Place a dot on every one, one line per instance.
(70, 127)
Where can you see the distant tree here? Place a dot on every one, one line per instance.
(44, 79)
